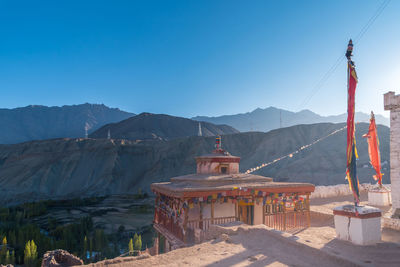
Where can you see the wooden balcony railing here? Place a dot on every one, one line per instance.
(204, 224)
(287, 221)
(170, 224)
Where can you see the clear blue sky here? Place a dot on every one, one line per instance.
(190, 58)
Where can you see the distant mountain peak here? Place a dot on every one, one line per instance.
(273, 118)
(307, 111)
(149, 126)
(35, 106)
(38, 122)
(149, 114)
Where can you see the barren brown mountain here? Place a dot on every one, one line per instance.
(64, 168)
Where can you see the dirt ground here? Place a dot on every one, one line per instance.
(251, 246)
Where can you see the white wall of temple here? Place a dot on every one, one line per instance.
(207, 167)
(258, 214)
(224, 210)
(213, 167)
(207, 211)
(220, 210)
(194, 213)
(234, 168)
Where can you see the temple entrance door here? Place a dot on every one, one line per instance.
(246, 212)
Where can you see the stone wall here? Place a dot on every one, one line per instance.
(391, 223)
(339, 190)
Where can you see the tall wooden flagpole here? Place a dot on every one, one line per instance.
(351, 152)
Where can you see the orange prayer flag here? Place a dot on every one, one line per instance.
(373, 149)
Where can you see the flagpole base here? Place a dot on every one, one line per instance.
(379, 196)
(360, 225)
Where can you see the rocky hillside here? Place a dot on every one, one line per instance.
(64, 168)
(272, 118)
(41, 122)
(148, 126)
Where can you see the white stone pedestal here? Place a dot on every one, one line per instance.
(379, 196)
(359, 225)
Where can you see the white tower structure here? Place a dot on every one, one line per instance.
(200, 132)
(392, 103)
(87, 127)
(108, 134)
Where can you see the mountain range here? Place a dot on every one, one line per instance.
(41, 122)
(148, 126)
(271, 118)
(78, 167)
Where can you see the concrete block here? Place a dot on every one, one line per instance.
(342, 227)
(379, 196)
(359, 225)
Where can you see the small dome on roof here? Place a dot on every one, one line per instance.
(218, 162)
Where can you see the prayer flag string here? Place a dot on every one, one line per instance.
(290, 155)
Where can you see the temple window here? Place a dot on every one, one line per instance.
(224, 169)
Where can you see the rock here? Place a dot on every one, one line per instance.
(226, 238)
(252, 258)
(60, 258)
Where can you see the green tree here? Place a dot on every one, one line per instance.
(3, 250)
(84, 248)
(12, 240)
(98, 240)
(27, 253)
(121, 229)
(7, 260)
(13, 257)
(138, 243)
(130, 247)
(34, 252)
(91, 247)
(30, 254)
